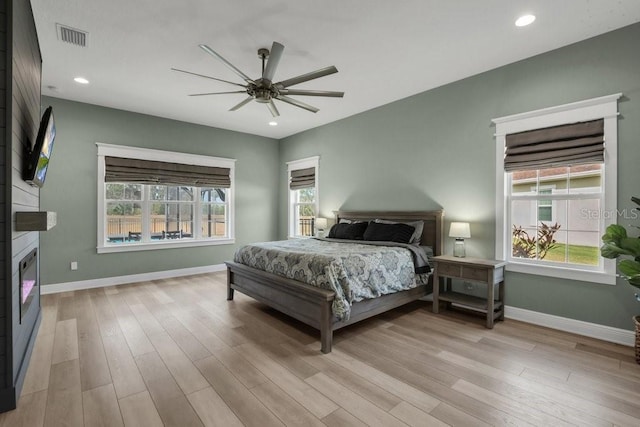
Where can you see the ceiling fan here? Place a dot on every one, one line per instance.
(264, 90)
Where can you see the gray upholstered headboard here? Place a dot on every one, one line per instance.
(432, 234)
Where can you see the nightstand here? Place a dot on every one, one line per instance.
(485, 271)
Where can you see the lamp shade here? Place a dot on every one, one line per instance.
(321, 223)
(460, 230)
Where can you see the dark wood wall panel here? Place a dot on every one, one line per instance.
(4, 301)
(22, 118)
(26, 112)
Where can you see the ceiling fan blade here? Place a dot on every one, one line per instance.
(272, 108)
(306, 77)
(208, 77)
(298, 103)
(241, 104)
(311, 93)
(218, 93)
(273, 61)
(225, 62)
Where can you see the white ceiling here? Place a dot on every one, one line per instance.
(384, 50)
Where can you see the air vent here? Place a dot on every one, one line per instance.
(72, 35)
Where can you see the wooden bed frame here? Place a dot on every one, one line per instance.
(312, 305)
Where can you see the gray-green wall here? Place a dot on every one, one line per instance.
(436, 149)
(71, 186)
(432, 150)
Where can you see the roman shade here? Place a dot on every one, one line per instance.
(303, 178)
(564, 145)
(118, 169)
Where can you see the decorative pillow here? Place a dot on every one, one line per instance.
(377, 231)
(418, 225)
(348, 231)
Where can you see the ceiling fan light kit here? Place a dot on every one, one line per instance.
(263, 90)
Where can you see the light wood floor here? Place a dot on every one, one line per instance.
(175, 352)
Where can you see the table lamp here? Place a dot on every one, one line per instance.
(321, 226)
(461, 231)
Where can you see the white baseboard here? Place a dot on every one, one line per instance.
(132, 278)
(593, 330)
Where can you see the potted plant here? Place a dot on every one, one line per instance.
(616, 243)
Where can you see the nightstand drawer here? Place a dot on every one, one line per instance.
(450, 270)
(471, 273)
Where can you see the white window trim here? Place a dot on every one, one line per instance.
(605, 107)
(160, 156)
(309, 162)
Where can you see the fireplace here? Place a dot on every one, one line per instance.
(28, 281)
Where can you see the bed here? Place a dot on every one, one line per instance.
(313, 305)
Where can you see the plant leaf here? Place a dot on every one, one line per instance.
(631, 244)
(611, 250)
(635, 281)
(629, 267)
(631, 271)
(614, 233)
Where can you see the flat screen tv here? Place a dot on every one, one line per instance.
(37, 160)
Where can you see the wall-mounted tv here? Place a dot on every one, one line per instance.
(37, 160)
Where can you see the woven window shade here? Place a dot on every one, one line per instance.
(303, 178)
(565, 145)
(119, 169)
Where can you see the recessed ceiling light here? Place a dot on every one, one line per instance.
(81, 80)
(273, 123)
(525, 20)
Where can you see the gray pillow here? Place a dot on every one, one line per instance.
(349, 221)
(418, 225)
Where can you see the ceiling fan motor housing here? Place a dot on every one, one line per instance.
(262, 95)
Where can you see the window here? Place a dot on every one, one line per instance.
(304, 211)
(139, 210)
(303, 196)
(559, 230)
(554, 201)
(545, 206)
(123, 211)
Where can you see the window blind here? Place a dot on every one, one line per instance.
(118, 169)
(303, 178)
(564, 145)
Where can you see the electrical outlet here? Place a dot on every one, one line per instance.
(74, 265)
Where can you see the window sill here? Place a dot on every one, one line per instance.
(563, 273)
(132, 247)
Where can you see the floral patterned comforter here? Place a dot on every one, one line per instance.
(354, 271)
